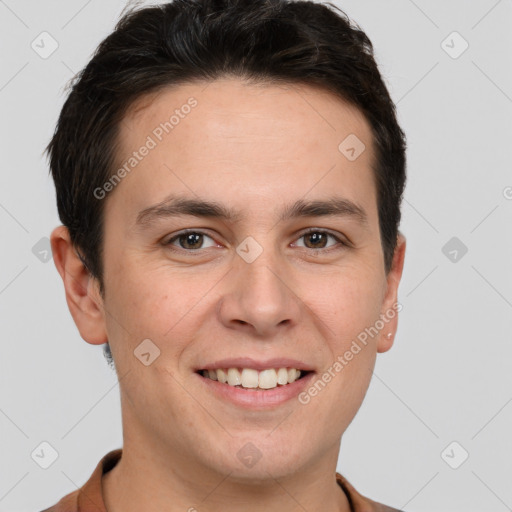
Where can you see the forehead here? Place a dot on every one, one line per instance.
(237, 142)
(255, 107)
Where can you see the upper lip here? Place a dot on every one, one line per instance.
(247, 362)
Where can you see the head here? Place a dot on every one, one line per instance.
(266, 110)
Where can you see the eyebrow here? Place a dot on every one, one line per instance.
(174, 206)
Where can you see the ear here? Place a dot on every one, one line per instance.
(390, 305)
(82, 290)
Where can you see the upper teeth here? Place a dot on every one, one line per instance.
(249, 378)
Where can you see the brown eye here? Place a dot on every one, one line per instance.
(318, 239)
(189, 241)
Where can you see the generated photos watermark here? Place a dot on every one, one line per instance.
(152, 141)
(355, 348)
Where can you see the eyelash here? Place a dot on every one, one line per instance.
(341, 243)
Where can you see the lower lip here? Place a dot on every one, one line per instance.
(257, 399)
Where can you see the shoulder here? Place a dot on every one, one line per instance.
(360, 503)
(89, 497)
(67, 504)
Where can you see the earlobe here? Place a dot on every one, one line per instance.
(391, 306)
(84, 302)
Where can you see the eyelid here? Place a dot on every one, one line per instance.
(341, 239)
(337, 236)
(186, 232)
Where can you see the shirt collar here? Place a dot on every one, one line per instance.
(89, 498)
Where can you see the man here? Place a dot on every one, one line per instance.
(229, 176)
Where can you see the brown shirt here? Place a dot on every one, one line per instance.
(89, 498)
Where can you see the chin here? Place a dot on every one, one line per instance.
(262, 457)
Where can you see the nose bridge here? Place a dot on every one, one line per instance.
(260, 270)
(261, 279)
(259, 295)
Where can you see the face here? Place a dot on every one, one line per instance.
(266, 287)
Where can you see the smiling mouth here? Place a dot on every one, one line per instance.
(250, 379)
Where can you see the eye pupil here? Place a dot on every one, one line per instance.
(317, 237)
(191, 239)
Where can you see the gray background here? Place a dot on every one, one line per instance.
(448, 377)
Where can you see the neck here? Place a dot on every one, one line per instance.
(145, 480)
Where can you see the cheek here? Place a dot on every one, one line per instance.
(355, 302)
(141, 305)
(349, 301)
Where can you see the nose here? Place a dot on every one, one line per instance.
(258, 297)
